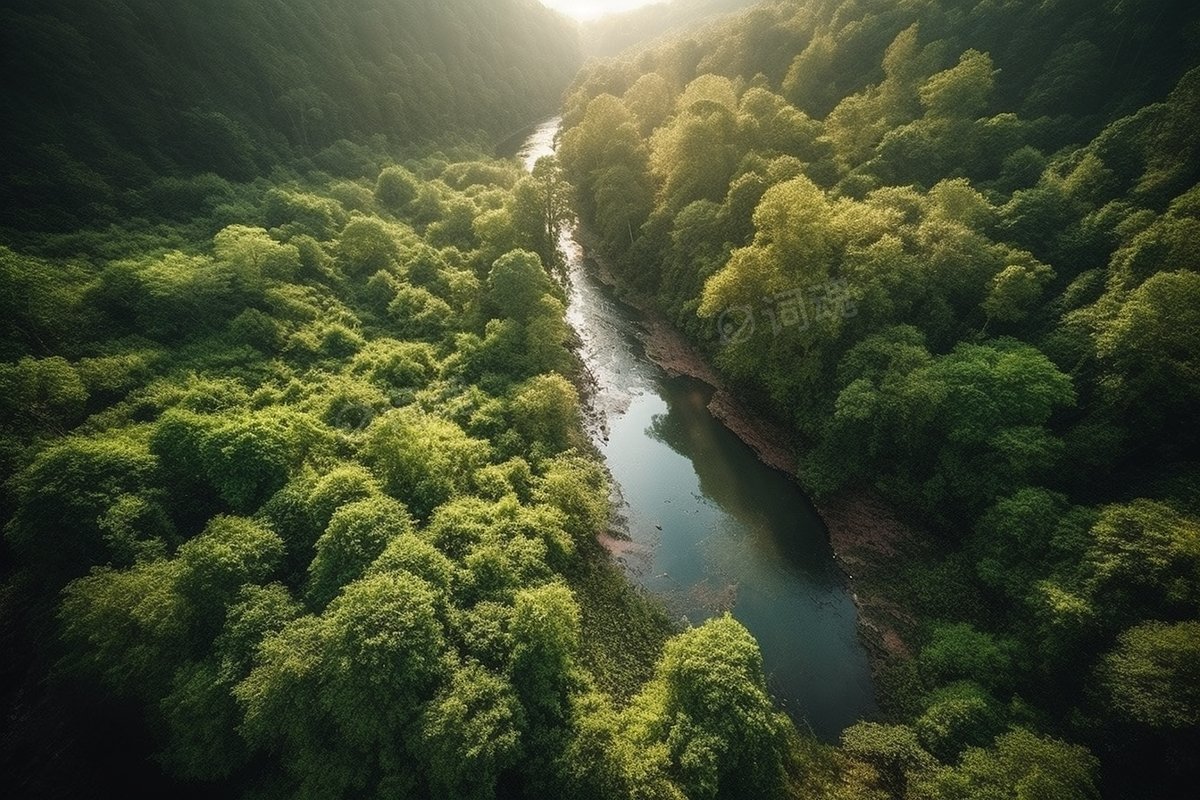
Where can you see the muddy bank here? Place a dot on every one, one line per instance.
(866, 535)
(863, 530)
(668, 349)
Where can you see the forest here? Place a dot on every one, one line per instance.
(107, 101)
(612, 34)
(954, 246)
(298, 498)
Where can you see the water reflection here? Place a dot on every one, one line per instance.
(711, 528)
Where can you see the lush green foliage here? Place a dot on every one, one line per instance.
(296, 493)
(231, 446)
(305, 491)
(954, 244)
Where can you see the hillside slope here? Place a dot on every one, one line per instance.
(609, 35)
(100, 96)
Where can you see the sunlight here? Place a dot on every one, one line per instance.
(591, 9)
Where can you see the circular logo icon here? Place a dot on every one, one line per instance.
(735, 324)
(350, 415)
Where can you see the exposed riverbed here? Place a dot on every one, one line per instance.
(704, 524)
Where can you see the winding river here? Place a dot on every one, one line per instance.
(710, 527)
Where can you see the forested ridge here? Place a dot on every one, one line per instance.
(105, 99)
(954, 245)
(609, 35)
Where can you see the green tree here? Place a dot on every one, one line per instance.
(607, 138)
(201, 717)
(1026, 537)
(694, 155)
(545, 411)
(1148, 350)
(248, 459)
(230, 553)
(422, 460)
(651, 100)
(894, 751)
(419, 314)
(794, 247)
(987, 405)
(959, 651)
(541, 209)
(136, 528)
(127, 628)
(366, 246)
(64, 494)
(1143, 560)
(623, 200)
(708, 704)
(956, 717)
(255, 256)
(286, 666)
(358, 532)
(257, 613)
(341, 484)
(545, 631)
(384, 641)
(409, 553)
(768, 124)
(45, 393)
(516, 283)
(1021, 764)
(1015, 292)
(395, 189)
(470, 734)
(963, 90)
(1151, 678)
(578, 487)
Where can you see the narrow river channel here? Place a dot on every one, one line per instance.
(711, 528)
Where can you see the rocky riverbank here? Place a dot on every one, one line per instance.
(864, 532)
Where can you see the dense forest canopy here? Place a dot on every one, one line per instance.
(297, 499)
(104, 96)
(299, 507)
(955, 246)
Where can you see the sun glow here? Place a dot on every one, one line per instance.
(591, 9)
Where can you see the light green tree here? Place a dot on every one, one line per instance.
(963, 90)
(1152, 677)
(470, 734)
(420, 459)
(357, 533)
(516, 283)
(395, 189)
(708, 705)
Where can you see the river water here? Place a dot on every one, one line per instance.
(710, 527)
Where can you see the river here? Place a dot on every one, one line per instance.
(710, 527)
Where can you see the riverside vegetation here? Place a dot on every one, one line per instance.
(985, 218)
(298, 501)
